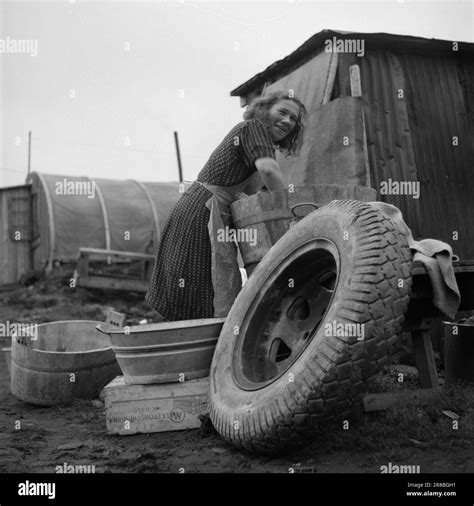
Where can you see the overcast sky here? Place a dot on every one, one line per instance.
(112, 80)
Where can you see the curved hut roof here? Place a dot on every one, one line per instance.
(123, 215)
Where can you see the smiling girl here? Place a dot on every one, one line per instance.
(195, 275)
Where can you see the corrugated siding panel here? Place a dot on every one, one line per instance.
(389, 140)
(410, 139)
(438, 112)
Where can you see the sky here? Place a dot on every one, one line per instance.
(112, 80)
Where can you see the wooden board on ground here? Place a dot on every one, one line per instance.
(132, 409)
(385, 400)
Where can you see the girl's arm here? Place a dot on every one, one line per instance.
(271, 173)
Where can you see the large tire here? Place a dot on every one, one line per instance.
(277, 375)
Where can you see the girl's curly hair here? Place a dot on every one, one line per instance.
(259, 108)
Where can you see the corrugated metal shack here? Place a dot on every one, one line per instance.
(405, 115)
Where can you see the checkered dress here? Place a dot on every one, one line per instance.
(181, 283)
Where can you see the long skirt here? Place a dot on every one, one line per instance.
(181, 283)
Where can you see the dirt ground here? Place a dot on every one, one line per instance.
(76, 434)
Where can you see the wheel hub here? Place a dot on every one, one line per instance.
(286, 314)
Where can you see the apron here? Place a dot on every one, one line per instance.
(226, 277)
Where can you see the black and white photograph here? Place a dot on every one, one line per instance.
(237, 252)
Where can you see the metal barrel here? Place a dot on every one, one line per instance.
(458, 353)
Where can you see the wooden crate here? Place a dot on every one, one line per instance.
(132, 409)
(83, 276)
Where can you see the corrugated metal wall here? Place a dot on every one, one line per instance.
(442, 134)
(418, 102)
(410, 138)
(15, 233)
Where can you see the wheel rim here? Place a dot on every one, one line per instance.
(285, 316)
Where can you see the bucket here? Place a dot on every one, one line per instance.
(165, 352)
(267, 216)
(458, 353)
(62, 361)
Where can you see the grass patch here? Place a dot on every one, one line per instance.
(387, 381)
(406, 425)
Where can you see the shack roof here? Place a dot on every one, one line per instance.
(315, 44)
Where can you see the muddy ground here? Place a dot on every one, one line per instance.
(77, 435)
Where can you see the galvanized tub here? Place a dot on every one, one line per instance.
(266, 216)
(165, 352)
(62, 361)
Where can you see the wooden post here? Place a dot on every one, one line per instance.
(29, 153)
(180, 169)
(424, 355)
(356, 89)
(83, 264)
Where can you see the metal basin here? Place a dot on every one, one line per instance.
(63, 361)
(165, 352)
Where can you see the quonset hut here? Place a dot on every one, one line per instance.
(51, 216)
(392, 112)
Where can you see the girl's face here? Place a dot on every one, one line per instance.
(282, 118)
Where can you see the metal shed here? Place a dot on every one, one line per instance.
(399, 111)
(15, 233)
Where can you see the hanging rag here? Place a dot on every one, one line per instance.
(436, 256)
(226, 275)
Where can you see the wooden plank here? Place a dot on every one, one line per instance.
(111, 283)
(356, 89)
(330, 77)
(132, 409)
(110, 252)
(381, 401)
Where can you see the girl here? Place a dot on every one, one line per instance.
(195, 275)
